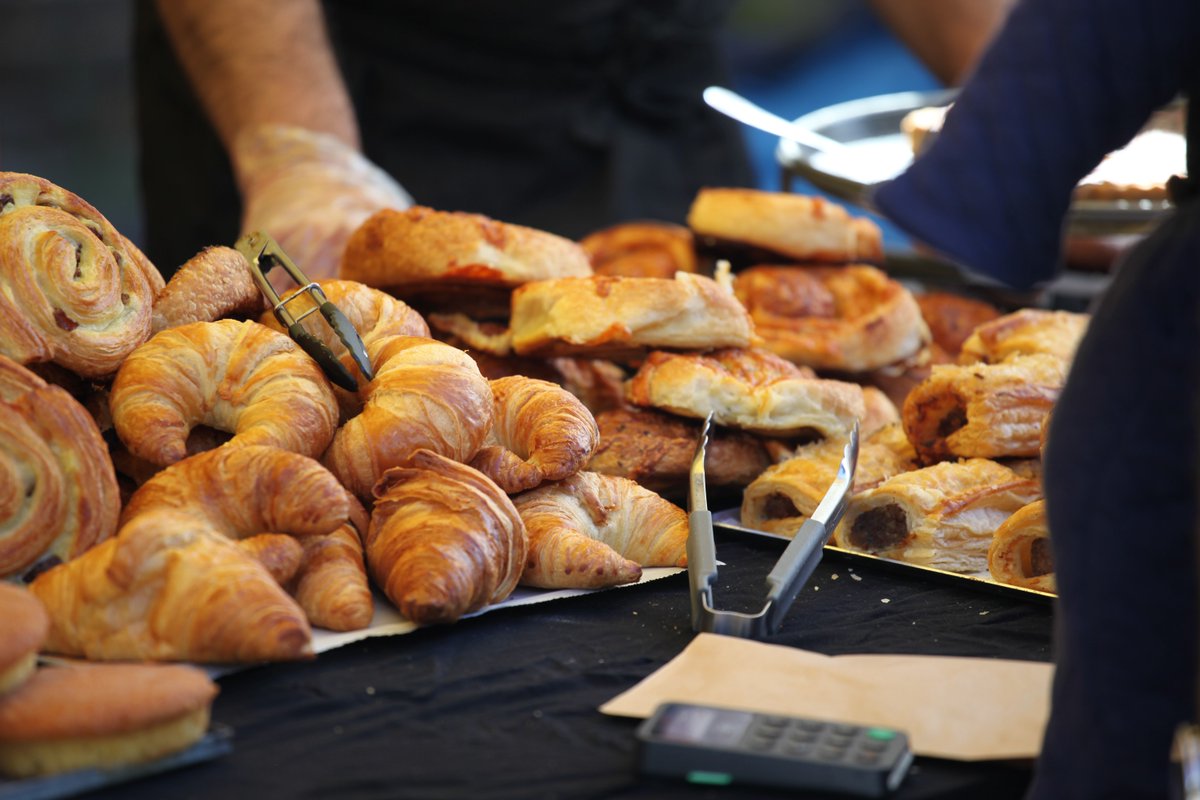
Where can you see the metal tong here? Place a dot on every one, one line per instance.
(788, 575)
(264, 254)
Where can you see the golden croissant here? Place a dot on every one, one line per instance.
(239, 377)
(444, 540)
(170, 588)
(594, 530)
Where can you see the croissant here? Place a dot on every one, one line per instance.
(444, 539)
(58, 489)
(72, 290)
(243, 491)
(594, 530)
(214, 283)
(426, 395)
(644, 249)
(540, 432)
(235, 376)
(280, 555)
(1020, 553)
(170, 588)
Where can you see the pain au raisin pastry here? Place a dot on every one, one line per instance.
(168, 587)
(1027, 331)
(240, 377)
(752, 390)
(607, 317)
(58, 490)
(1020, 553)
(984, 410)
(243, 491)
(850, 319)
(593, 530)
(72, 289)
(450, 260)
(25, 628)
(645, 249)
(796, 227)
(213, 284)
(785, 494)
(941, 516)
(444, 541)
(102, 716)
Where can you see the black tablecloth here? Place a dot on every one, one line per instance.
(504, 705)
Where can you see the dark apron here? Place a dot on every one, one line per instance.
(562, 116)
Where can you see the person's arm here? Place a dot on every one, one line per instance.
(947, 36)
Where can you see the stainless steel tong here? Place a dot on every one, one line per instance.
(264, 254)
(789, 574)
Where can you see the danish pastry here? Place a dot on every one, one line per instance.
(644, 249)
(1020, 553)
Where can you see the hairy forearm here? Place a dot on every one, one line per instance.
(948, 36)
(253, 62)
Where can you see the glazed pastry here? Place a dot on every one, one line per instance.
(445, 541)
(593, 530)
(795, 226)
(607, 317)
(752, 390)
(25, 627)
(540, 432)
(785, 495)
(985, 410)
(58, 490)
(169, 587)
(71, 290)
(426, 395)
(850, 319)
(243, 491)
(102, 716)
(644, 249)
(214, 283)
(451, 260)
(952, 318)
(1026, 332)
(239, 377)
(1020, 553)
(941, 516)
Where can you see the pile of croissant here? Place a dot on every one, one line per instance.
(180, 481)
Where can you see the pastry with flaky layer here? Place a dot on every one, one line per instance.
(645, 249)
(169, 587)
(213, 284)
(58, 490)
(752, 390)
(1028, 331)
(72, 289)
(795, 226)
(851, 319)
(942, 516)
(985, 410)
(593, 530)
(606, 316)
(1020, 553)
(102, 716)
(444, 541)
(25, 627)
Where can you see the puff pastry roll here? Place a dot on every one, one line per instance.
(608, 317)
(644, 249)
(72, 289)
(752, 390)
(592, 530)
(240, 377)
(851, 319)
(1025, 332)
(1020, 553)
(170, 588)
(444, 541)
(58, 489)
(214, 283)
(941, 516)
(984, 410)
(786, 494)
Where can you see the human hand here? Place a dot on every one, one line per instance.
(309, 191)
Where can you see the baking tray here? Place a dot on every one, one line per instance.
(730, 520)
(870, 127)
(217, 742)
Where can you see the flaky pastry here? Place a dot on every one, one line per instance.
(645, 249)
(213, 284)
(1020, 553)
(1028, 331)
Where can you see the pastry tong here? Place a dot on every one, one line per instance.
(264, 254)
(788, 575)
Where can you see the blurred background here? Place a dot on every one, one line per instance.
(66, 100)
